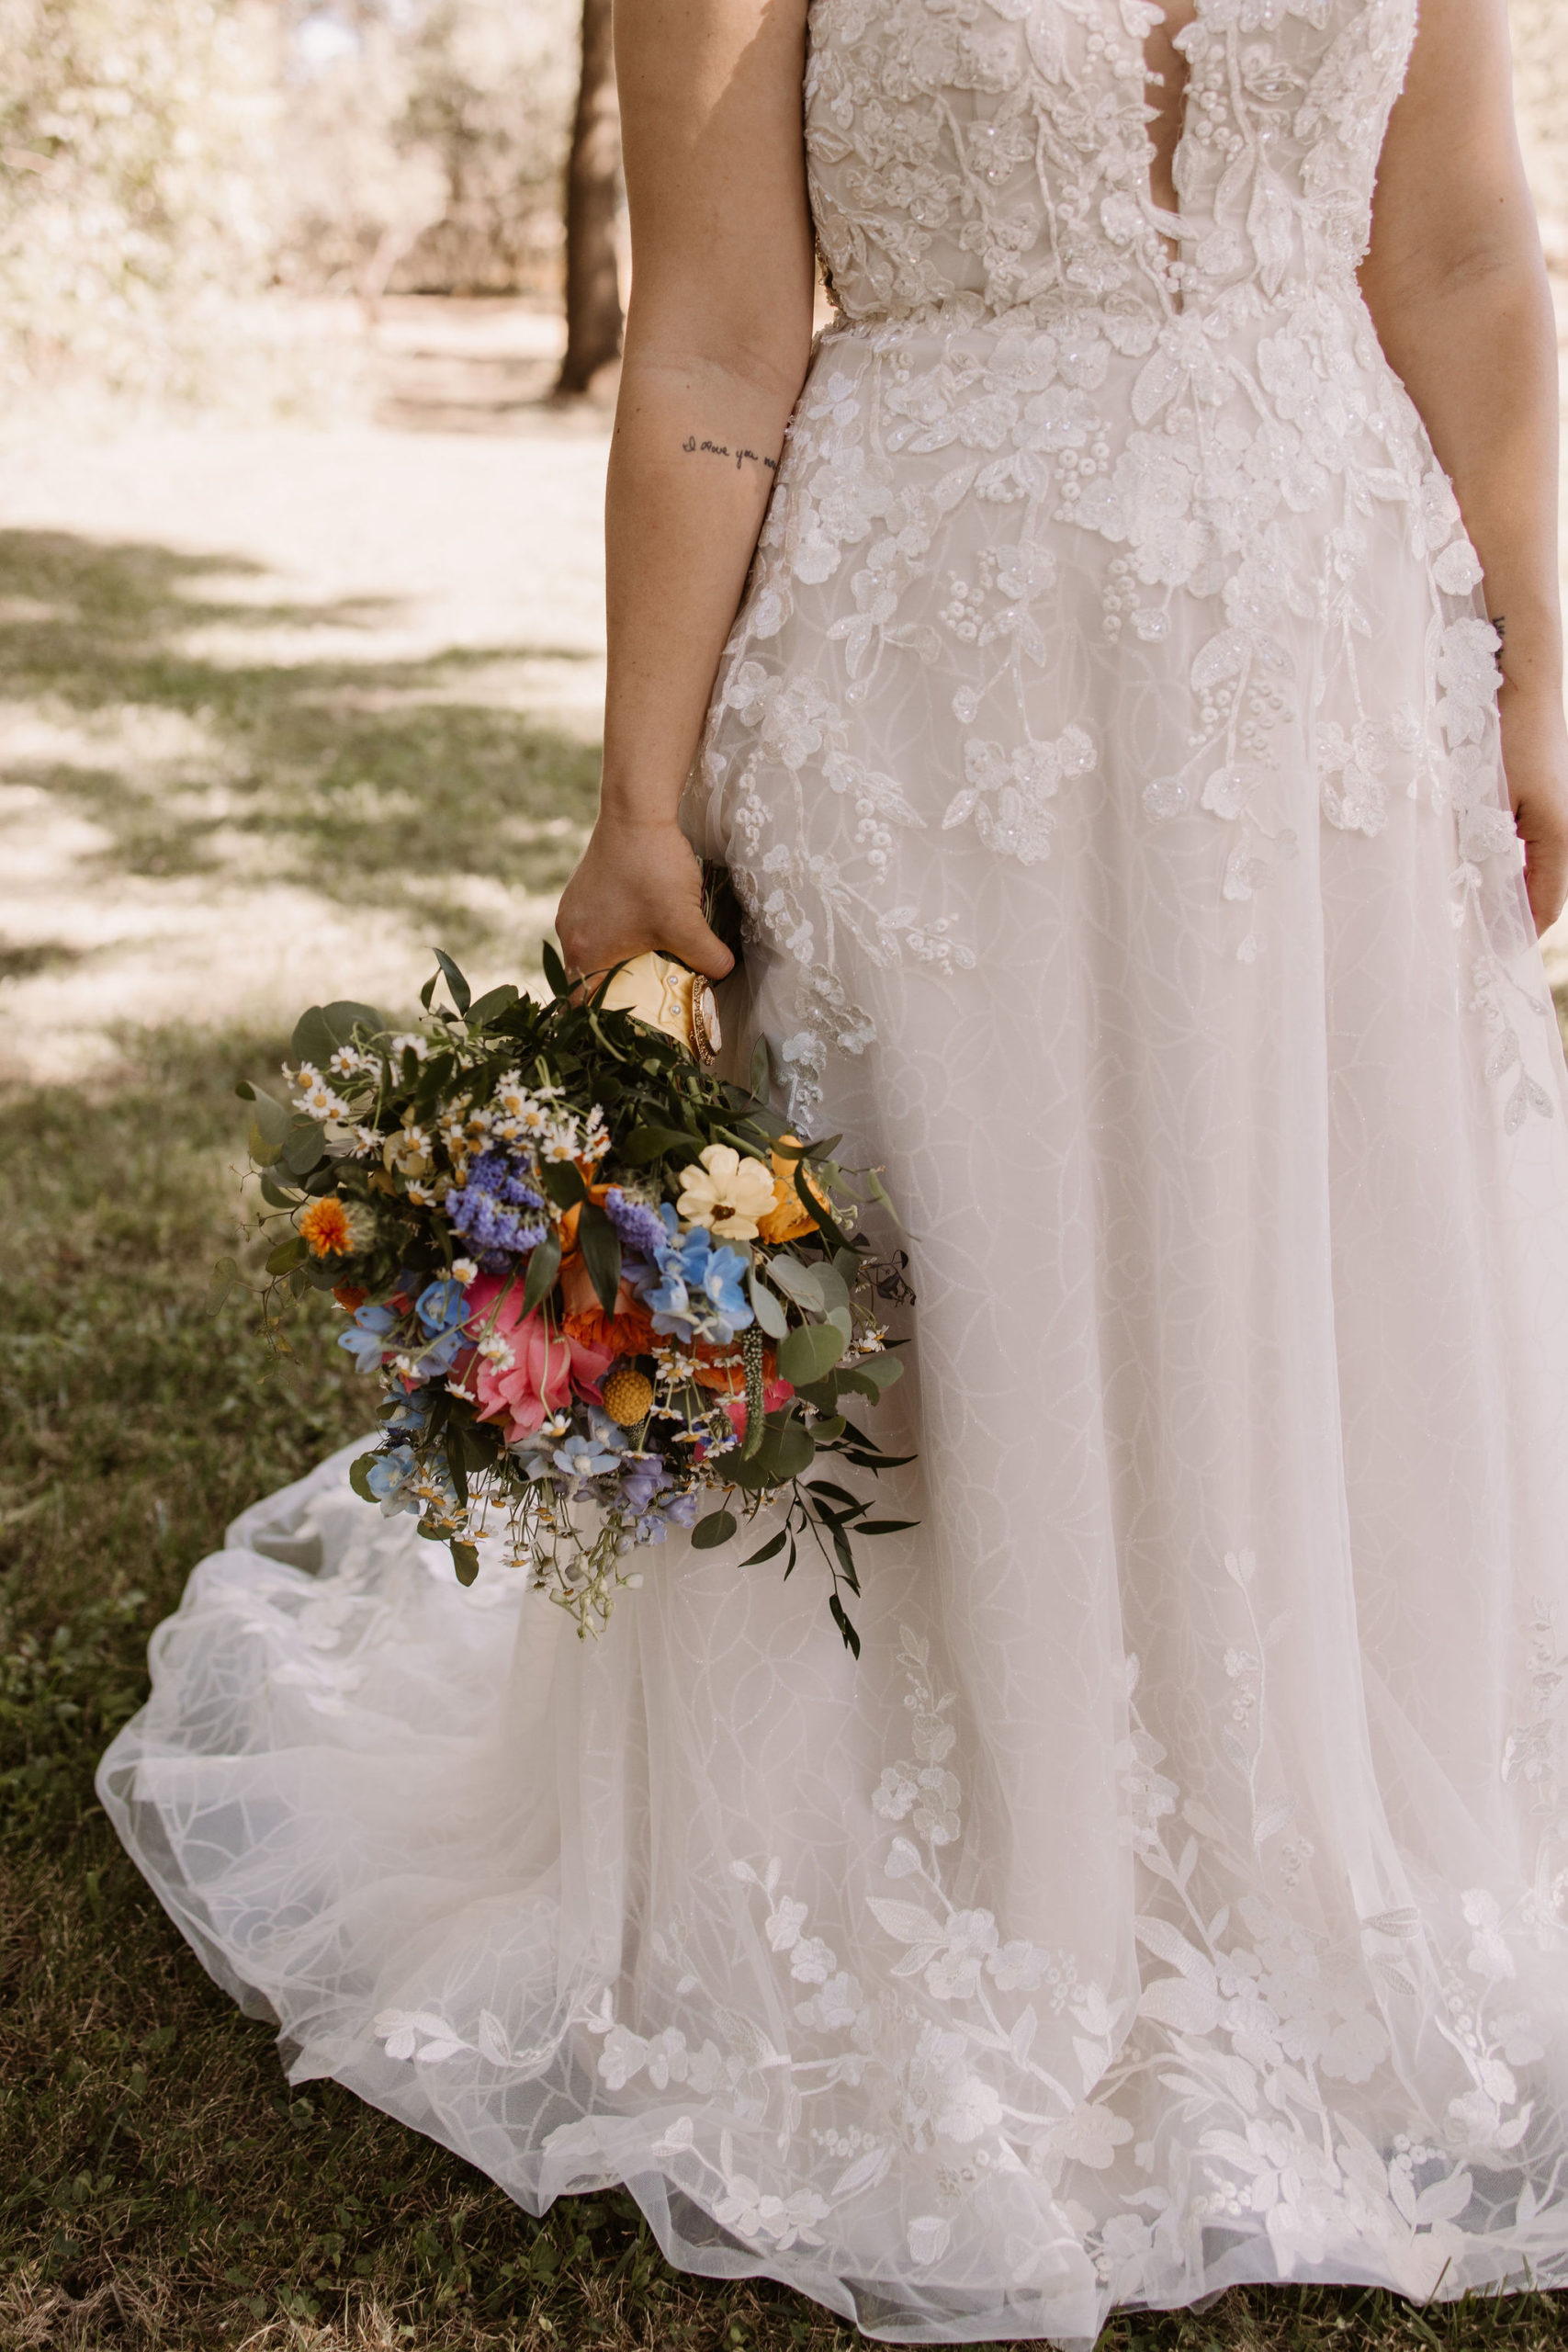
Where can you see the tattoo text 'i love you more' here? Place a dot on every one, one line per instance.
(692, 447)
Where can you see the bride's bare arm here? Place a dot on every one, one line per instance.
(1458, 289)
(718, 333)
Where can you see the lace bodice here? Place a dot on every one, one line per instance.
(1000, 148)
(1093, 513)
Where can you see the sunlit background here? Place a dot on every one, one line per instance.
(301, 657)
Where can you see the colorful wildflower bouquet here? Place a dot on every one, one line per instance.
(604, 1291)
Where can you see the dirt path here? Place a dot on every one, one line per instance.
(269, 698)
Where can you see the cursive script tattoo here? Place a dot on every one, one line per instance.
(692, 447)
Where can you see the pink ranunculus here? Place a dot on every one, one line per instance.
(545, 1366)
(774, 1394)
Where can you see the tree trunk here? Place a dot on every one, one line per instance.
(593, 205)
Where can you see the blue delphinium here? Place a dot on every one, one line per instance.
(442, 1308)
(695, 1289)
(667, 1511)
(484, 1210)
(583, 1457)
(404, 1415)
(365, 1337)
(442, 1305)
(390, 1477)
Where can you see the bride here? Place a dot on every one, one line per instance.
(1109, 756)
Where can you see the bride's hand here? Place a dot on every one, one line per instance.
(636, 886)
(1535, 756)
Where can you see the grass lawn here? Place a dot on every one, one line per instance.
(159, 2186)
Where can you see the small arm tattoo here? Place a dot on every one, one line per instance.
(1499, 622)
(692, 447)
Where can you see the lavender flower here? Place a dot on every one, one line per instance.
(641, 1229)
(483, 1208)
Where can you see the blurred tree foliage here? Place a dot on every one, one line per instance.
(164, 161)
(423, 146)
(133, 177)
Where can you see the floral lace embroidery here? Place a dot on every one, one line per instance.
(1029, 399)
(1244, 2013)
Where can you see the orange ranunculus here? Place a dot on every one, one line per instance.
(628, 1332)
(728, 1379)
(788, 1219)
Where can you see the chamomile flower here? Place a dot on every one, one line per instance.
(464, 1271)
(315, 1097)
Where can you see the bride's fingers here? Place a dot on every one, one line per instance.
(691, 940)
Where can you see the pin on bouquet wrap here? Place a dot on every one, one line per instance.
(605, 1291)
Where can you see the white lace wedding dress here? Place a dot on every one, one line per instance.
(1177, 1892)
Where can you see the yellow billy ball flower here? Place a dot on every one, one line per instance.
(629, 1395)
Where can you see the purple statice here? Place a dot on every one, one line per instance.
(484, 1210)
(642, 1229)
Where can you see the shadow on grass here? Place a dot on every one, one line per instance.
(370, 781)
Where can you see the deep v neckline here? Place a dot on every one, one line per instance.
(1166, 70)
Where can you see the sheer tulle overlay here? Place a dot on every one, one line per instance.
(1176, 1892)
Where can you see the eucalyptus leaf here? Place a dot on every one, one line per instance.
(225, 1274)
(768, 1551)
(766, 1308)
(270, 1117)
(810, 1353)
(716, 1529)
(303, 1150)
(288, 1255)
(493, 1002)
(800, 1283)
(465, 1560)
(274, 1194)
(322, 1028)
(881, 1371)
(761, 1078)
(359, 1471)
(263, 1153)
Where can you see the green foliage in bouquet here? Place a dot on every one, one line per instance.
(600, 1287)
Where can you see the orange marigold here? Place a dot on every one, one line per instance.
(325, 1224)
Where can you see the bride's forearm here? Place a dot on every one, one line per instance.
(695, 452)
